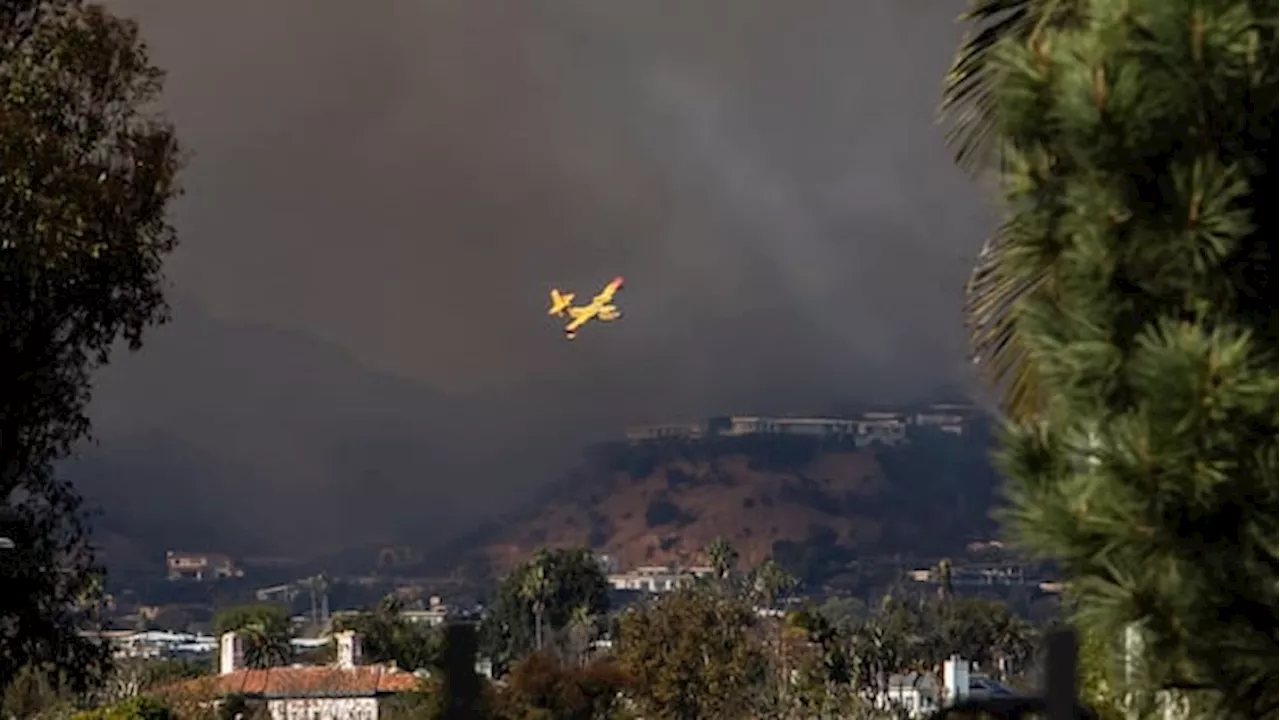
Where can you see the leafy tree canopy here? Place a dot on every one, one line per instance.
(573, 579)
(693, 653)
(86, 176)
(386, 636)
(542, 687)
(1140, 178)
(238, 617)
(141, 707)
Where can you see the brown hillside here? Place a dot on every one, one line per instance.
(670, 514)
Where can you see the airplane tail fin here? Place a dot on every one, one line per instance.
(559, 302)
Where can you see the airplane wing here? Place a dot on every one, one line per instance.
(606, 295)
(580, 317)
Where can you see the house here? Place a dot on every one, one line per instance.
(915, 693)
(160, 644)
(656, 578)
(921, 695)
(345, 690)
(200, 566)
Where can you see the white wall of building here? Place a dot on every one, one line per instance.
(365, 708)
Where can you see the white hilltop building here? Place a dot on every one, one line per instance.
(884, 428)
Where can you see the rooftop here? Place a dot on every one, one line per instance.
(302, 682)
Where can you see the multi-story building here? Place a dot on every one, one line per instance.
(200, 566)
(871, 428)
(740, 425)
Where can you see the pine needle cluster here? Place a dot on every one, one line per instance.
(1140, 181)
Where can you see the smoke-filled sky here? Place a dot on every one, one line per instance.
(397, 184)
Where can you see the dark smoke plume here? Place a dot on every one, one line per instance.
(394, 187)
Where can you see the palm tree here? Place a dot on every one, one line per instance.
(266, 645)
(1002, 275)
(583, 629)
(773, 583)
(1013, 646)
(535, 588)
(723, 558)
(945, 590)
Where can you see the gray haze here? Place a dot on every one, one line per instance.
(382, 193)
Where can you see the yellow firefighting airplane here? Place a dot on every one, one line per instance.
(600, 308)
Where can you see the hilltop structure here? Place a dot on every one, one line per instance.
(885, 428)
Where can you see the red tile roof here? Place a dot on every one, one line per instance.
(296, 682)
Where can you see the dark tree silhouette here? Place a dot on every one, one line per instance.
(86, 176)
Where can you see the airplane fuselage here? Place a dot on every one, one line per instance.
(600, 308)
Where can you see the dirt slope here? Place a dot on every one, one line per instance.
(647, 506)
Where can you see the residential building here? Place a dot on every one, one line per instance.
(656, 578)
(915, 693)
(946, 422)
(649, 433)
(345, 690)
(968, 575)
(921, 695)
(880, 428)
(160, 644)
(741, 425)
(200, 566)
(885, 428)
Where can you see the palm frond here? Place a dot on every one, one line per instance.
(968, 108)
(966, 96)
(995, 340)
(967, 101)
